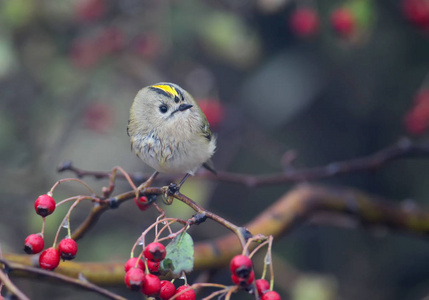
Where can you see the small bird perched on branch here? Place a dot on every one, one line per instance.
(169, 131)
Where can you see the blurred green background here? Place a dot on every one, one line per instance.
(69, 71)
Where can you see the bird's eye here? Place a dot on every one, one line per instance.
(163, 108)
(176, 99)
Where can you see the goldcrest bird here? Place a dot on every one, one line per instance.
(169, 131)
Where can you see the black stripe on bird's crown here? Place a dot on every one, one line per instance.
(160, 91)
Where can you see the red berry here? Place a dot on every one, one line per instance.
(84, 53)
(34, 243)
(49, 259)
(343, 22)
(417, 120)
(135, 279)
(99, 117)
(188, 295)
(417, 12)
(241, 266)
(271, 295)
(111, 40)
(153, 266)
(167, 290)
(155, 252)
(44, 205)
(91, 10)
(67, 248)
(142, 203)
(243, 281)
(152, 285)
(422, 97)
(262, 285)
(148, 45)
(304, 22)
(213, 109)
(131, 263)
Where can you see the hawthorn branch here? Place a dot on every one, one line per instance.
(292, 209)
(404, 148)
(114, 202)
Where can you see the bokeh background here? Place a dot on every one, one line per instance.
(272, 88)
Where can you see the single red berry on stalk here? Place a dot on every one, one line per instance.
(304, 22)
(271, 295)
(134, 279)
(241, 266)
(153, 266)
(131, 263)
(142, 203)
(262, 285)
(243, 282)
(167, 290)
(155, 252)
(34, 243)
(343, 21)
(49, 259)
(44, 205)
(188, 295)
(67, 248)
(152, 285)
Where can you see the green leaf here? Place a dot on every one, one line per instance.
(180, 254)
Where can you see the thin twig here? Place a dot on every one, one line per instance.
(15, 267)
(11, 287)
(402, 149)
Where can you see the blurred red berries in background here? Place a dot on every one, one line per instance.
(90, 10)
(304, 22)
(98, 117)
(213, 109)
(417, 119)
(110, 40)
(417, 12)
(148, 45)
(84, 53)
(343, 22)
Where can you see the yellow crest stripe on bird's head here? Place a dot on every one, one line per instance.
(170, 90)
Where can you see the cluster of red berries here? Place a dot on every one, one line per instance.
(148, 282)
(241, 267)
(305, 21)
(49, 259)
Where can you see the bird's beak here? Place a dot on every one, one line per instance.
(183, 107)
